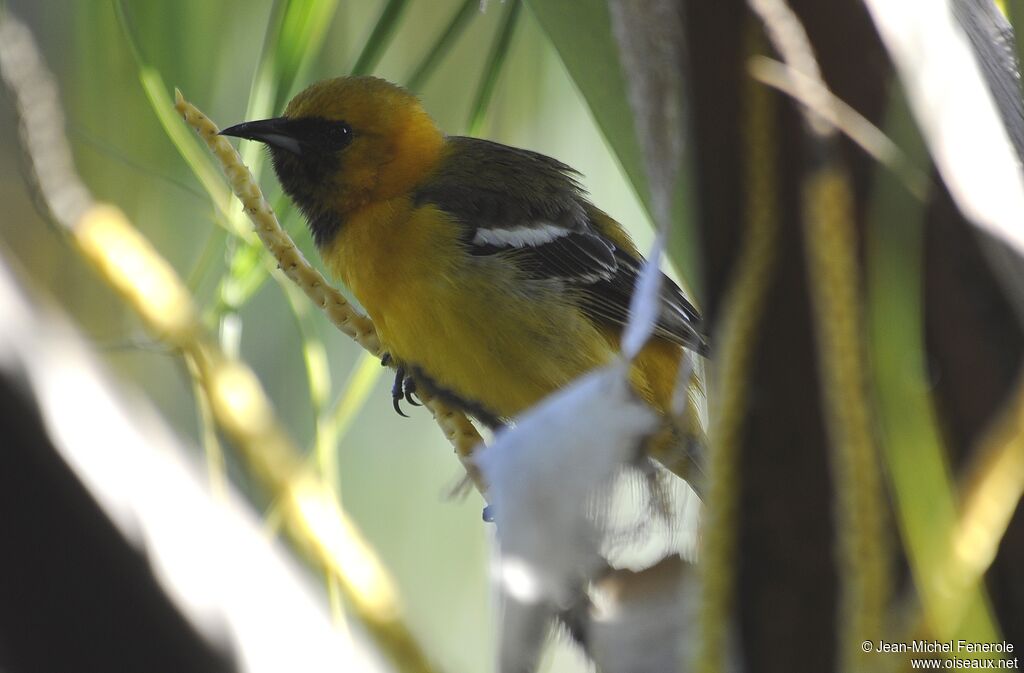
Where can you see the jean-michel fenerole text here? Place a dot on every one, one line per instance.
(944, 646)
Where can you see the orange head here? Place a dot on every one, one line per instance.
(347, 142)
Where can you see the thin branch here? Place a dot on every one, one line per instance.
(812, 93)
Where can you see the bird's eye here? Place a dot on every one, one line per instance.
(337, 136)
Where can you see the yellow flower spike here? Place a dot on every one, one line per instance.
(238, 401)
(136, 270)
(316, 508)
(988, 500)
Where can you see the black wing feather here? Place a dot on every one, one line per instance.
(574, 258)
(494, 187)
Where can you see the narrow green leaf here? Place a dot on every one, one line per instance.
(922, 484)
(334, 425)
(197, 158)
(492, 71)
(216, 466)
(110, 150)
(211, 250)
(247, 270)
(246, 275)
(299, 42)
(379, 38)
(294, 36)
(444, 43)
(581, 33)
(318, 374)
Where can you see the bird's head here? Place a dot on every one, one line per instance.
(344, 143)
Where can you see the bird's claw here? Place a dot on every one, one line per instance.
(398, 391)
(404, 387)
(410, 389)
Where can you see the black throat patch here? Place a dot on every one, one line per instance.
(306, 181)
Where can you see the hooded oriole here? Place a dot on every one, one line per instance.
(491, 278)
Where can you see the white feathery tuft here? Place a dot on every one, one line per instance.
(542, 477)
(645, 304)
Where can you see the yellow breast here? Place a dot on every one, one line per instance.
(470, 323)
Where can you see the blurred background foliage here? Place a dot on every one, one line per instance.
(494, 73)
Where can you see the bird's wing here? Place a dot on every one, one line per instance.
(530, 209)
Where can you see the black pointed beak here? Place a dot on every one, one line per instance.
(276, 132)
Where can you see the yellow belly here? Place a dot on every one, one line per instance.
(472, 324)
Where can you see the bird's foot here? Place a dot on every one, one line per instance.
(398, 391)
(403, 389)
(410, 390)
